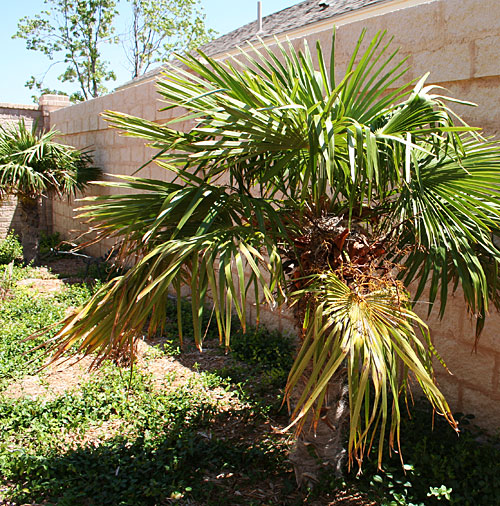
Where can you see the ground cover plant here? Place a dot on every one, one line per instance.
(202, 431)
(10, 249)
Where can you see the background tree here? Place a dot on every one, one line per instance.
(331, 196)
(32, 165)
(162, 27)
(73, 32)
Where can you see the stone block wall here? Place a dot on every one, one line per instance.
(458, 42)
(9, 216)
(12, 113)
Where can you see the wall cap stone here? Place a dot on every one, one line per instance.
(29, 107)
(49, 99)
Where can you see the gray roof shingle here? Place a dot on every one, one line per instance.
(296, 16)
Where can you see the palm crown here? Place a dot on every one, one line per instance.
(331, 196)
(33, 164)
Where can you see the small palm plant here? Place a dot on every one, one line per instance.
(33, 164)
(330, 196)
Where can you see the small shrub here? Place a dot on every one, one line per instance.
(267, 349)
(10, 249)
(440, 467)
(49, 242)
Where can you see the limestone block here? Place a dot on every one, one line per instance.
(485, 408)
(125, 154)
(93, 121)
(452, 62)
(490, 337)
(476, 369)
(453, 321)
(451, 388)
(270, 319)
(487, 56)
(163, 116)
(102, 124)
(139, 155)
(468, 18)
(149, 111)
(485, 92)
(142, 93)
(414, 28)
(288, 326)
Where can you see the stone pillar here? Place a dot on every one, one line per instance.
(50, 103)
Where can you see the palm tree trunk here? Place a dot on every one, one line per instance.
(325, 445)
(30, 228)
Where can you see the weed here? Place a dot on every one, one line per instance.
(119, 439)
(267, 349)
(21, 315)
(440, 467)
(10, 249)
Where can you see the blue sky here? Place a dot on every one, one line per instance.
(19, 64)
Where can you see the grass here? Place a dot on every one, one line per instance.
(202, 433)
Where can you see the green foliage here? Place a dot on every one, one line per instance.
(162, 27)
(73, 31)
(294, 186)
(267, 349)
(147, 446)
(440, 467)
(33, 163)
(49, 242)
(21, 315)
(149, 464)
(269, 353)
(33, 84)
(118, 439)
(172, 319)
(10, 249)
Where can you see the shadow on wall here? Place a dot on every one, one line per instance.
(10, 216)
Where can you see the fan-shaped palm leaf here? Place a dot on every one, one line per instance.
(288, 185)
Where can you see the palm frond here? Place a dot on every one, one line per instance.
(372, 338)
(33, 162)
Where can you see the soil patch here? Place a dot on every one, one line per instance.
(42, 285)
(53, 381)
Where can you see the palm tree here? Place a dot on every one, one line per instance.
(333, 197)
(33, 164)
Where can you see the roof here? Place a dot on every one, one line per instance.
(296, 16)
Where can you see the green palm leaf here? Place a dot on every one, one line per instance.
(376, 338)
(291, 186)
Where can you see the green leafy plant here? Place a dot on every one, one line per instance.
(119, 439)
(264, 348)
(162, 27)
(439, 467)
(21, 315)
(49, 242)
(32, 163)
(334, 195)
(74, 32)
(10, 249)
